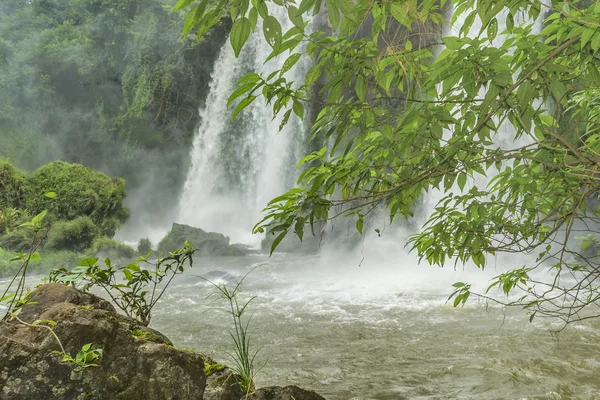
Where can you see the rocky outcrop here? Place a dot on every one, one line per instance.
(137, 362)
(207, 243)
(129, 369)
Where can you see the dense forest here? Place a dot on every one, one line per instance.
(109, 84)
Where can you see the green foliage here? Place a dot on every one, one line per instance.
(18, 296)
(108, 84)
(18, 240)
(402, 121)
(85, 358)
(243, 356)
(82, 192)
(75, 235)
(10, 218)
(13, 184)
(144, 246)
(107, 247)
(133, 289)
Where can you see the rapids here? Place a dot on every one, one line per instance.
(381, 332)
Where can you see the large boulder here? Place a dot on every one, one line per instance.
(137, 363)
(207, 243)
(129, 369)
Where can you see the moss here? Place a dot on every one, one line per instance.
(80, 191)
(75, 235)
(211, 366)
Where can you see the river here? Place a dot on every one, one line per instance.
(379, 332)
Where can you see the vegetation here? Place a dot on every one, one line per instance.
(109, 84)
(243, 356)
(107, 247)
(13, 184)
(133, 289)
(75, 235)
(82, 192)
(407, 113)
(144, 246)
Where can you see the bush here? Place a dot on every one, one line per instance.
(75, 235)
(13, 186)
(107, 247)
(19, 240)
(79, 191)
(144, 246)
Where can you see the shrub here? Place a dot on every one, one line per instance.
(75, 235)
(19, 240)
(11, 218)
(107, 247)
(13, 186)
(79, 191)
(144, 246)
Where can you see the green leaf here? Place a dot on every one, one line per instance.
(289, 63)
(240, 91)
(295, 16)
(253, 17)
(276, 242)
(243, 104)
(492, 29)
(39, 218)
(361, 87)
(50, 195)
(298, 108)
(87, 262)
(272, 31)
(334, 14)
(359, 224)
(182, 4)
(240, 31)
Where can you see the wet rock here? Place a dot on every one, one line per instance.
(221, 382)
(283, 393)
(207, 243)
(129, 369)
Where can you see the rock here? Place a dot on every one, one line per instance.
(138, 363)
(283, 393)
(207, 243)
(129, 369)
(221, 382)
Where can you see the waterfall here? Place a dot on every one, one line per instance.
(237, 167)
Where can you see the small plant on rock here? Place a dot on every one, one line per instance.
(133, 288)
(243, 356)
(84, 358)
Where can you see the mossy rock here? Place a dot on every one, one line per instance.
(207, 243)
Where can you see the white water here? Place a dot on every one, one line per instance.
(238, 167)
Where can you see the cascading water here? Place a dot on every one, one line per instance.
(237, 167)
